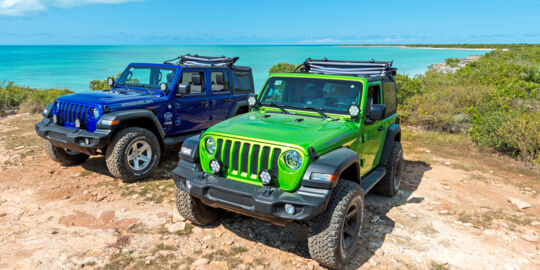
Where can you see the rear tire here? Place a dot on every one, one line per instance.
(193, 209)
(133, 154)
(333, 235)
(63, 156)
(389, 185)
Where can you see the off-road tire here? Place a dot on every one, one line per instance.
(117, 152)
(389, 185)
(325, 232)
(61, 156)
(193, 209)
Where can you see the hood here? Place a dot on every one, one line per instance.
(112, 99)
(287, 129)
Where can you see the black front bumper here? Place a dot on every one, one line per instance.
(73, 139)
(252, 200)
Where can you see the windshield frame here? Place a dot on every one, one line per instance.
(298, 107)
(144, 86)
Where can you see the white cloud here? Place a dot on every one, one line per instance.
(25, 7)
(20, 7)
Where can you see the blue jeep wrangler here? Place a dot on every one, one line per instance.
(149, 107)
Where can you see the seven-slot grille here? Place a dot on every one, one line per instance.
(245, 159)
(68, 112)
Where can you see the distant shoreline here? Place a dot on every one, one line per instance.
(421, 47)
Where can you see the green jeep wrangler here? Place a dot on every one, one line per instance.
(314, 143)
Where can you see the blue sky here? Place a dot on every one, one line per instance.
(217, 22)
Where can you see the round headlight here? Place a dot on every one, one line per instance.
(293, 159)
(94, 113)
(210, 145)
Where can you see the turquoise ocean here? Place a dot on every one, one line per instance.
(74, 67)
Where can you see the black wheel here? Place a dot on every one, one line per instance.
(62, 155)
(193, 209)
(332, 236)
(133, 154)
(389, 185)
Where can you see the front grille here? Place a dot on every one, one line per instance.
(246, 160)
(68, 112)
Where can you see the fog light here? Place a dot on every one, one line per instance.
(55, 118)
(77, 123)
(289, 208)
(215, 166)
(265, 176)
(188, 184)
(87, 141)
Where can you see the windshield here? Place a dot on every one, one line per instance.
(147, 77)
(334, 96)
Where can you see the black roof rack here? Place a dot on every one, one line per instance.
(199, 60)
(369, 68)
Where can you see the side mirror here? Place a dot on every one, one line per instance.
(182, 89)
(110, 81)
(376, 112)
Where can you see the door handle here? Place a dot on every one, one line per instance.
(204, 102)
(228, 99)
(381, 128)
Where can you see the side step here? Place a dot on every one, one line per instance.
(373, 178)
(177, 139)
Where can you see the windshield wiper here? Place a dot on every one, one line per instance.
(276, 106)
(318, 110)
(141, 85)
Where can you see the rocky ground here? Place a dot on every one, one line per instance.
(451, 68)
(459, 208)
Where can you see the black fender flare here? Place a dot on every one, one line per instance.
(334, 162)
(190, 149)
(237, 105)
(130, 115)
(394, 131)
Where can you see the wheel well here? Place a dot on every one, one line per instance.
(142, 123)
(242, 109)
(398, 137)
(351, 173)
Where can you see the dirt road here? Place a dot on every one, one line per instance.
(458, 209)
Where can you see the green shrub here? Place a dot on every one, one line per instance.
(12, 96)
(496, 100)
(453, 62)
(282, 68)
(102, 85)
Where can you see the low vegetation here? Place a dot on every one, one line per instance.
(26, 99)
(495, 100)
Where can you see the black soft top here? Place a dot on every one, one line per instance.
(200, 61)
(372, 70)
